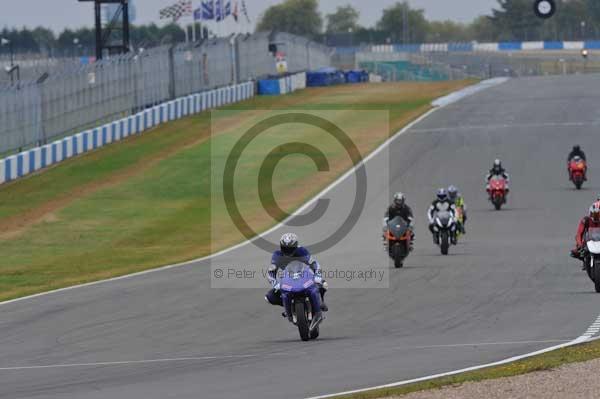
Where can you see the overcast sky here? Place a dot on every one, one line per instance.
(59, 14)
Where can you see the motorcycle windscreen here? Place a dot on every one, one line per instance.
(497, 183)
(593, 240)
(444, 218)
(397, 226)
(297, 277)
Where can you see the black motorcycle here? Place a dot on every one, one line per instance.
(398, 236)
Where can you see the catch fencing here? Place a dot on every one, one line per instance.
(473, 47)
(27, 162)
(74, 98)
(442, 65)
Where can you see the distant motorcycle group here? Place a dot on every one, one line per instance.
(447, 216)
(301, 288)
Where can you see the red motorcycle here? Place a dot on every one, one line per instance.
(497, 191)
(577, 171)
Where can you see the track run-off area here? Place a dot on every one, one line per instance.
(507, 289)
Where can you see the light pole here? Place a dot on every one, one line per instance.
(405, 24)
(582, 30)
(351, 34)
(11, 69)
(75, 46)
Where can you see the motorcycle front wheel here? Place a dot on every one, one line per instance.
(444, 244)
(399, 256)
(596, 274)
(302, 321)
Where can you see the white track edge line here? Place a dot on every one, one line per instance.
(227, 250)
(275, 227)
(579, 340)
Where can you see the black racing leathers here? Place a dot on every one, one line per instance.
(403, 211)
(576, 153)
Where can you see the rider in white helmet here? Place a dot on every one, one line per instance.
(290, 251)
(441, 203)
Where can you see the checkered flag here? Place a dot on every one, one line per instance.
(177, 10)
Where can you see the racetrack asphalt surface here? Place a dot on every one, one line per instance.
(508, 288)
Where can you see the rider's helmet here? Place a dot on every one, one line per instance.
(595, 211)
(576, 148)
(497, 165)
(288, 243)
(442, 194)
(452, 193)
(399, 200)
(577, 158)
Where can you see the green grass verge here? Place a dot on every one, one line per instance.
(146, 201)
(546, 361)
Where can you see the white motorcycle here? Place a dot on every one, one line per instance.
(444, 227)
(591, 256)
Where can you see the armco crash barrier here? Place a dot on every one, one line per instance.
(27, 162)
(281, 85)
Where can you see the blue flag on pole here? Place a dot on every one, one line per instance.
(219, 10)
(206, 11)
(227, 9)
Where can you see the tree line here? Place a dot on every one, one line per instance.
(509, 20)
(399, 23)
(81, 41)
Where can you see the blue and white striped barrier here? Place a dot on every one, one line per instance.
(474, 47)
(26, 162)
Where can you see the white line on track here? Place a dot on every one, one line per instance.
(587, 336)
(227, 357)
(507, 126)
(593, 329)
(548, 341)
(137, 362)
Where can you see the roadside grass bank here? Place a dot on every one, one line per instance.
(146, 201)
(543, 362)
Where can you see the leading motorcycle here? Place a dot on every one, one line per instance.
(577, 171)
(398, 236)
(444, 227)
(300, 296)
